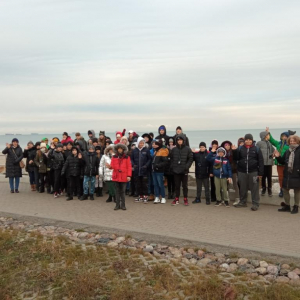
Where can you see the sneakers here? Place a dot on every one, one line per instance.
(186, 202)
(83, 197)
(139, 199)
(263, 191)
(12, 191)
(270, 192)
(145, 199)
(295, 209)
(17, 191)
(240, 205)
(69, 198)
(285, 208)
(175, 202)
(92, 197)
(218, 203)
(254, 208)
(157, 200)
(237, 201)
(163, 201)
(197, 200)
(227, 204)
(55, 195)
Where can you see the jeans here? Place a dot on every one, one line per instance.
(14, 183)
(120, 194)
(31, 177)
(150, 184)
(86, 181)
(158, 181)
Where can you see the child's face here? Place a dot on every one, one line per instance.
(267, 138)
(65, 147)
(146, 139)
(284, 137)
(248, 142)
(154, 146)
(74, 152)
(221, 154)
(65, 137)
(95, 144)
(180, 142)
(59, 149)
(162, 132)
(141, 144)
(227, 147)
(202, 148)
(98, 151)
(120, 150)
(171, 143)
(111, 151)
(37, 146)
(30, 146)
(69, 147)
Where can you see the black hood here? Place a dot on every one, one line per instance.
(164, 127)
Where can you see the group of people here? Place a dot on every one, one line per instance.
(141, 166)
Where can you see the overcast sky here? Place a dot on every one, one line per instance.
(202, 64)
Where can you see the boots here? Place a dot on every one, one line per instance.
(295, 209)
(263, 191)
(92, 197)
(117, 207)
(99, 192)
(270, 192)
(285, 208)
(69, 198)
(33, 187)
(83, 197)
(109, 199)
(281, 193)
(48, 190)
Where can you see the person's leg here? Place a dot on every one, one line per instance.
(243, 182)
(160, 183)
(93, 183)
(280, 174)
(169, 186)
(206, 188)
(156, 185)
(177, 185)
(138, 185)
(253, 182)
(185, 178)
(235, 186)
(85, 185)
(37, 178)
(212, 189)
(11, 184)
(122, 195)
(263, 184)
(297, 196)
(118, 194)
(42, 181)
(17, 182)
(145, 185)
(199, 187)
(217, 182)
(57, 179)
(224, 187)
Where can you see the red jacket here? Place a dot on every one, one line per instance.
(67, 140)
(121, 168)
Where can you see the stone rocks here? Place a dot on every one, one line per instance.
(193, 261)
(103, 241)
(261, 271)
(297, 271)
(293, 275)
(282, 279)
(224, 266)
(204, 262)
(148, 248)
(242, 261)
(112, 245)
(120, 239)
(232, 267)
(83, 235)
(263, 264)
(286, 266)
(201, 253)
(272, 270)
(284, 272)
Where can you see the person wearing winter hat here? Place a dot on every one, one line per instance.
(281, 146)
(55, 141)
(181, 159)
(72, 167)
(14, 155)
(148, 139)
(169, 174)
(90, 163)
(105, 173)
(162, 134)
(56, 156)
(45, 140)
(267, 151)
(160, 164)
(80, 141)
(250, 167)
(291, 175)
(222, 174)
(91, 134)
(101, 140)
(141, 161)
(29, 153)
(122, 171)
(214, 146)
(66, 138)
(171, 143)
(40, 162)
(118, 137)
(180, 132)
(202, 171)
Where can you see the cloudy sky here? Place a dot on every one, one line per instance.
(202, 64)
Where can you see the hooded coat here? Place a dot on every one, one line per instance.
(92, 131)
(220, 165)
(160, 160)
(163, 136)
(202, 166)
(185, 138)
(229, 156)
(72, 166)
(266, 149)
(67, 140)
(40, 161)
(104, 172)
(30, 155)
(181, 158)
(90, 162)
(281, 146)
(82, 143)
(121, 165)
(13, 158)
(141, 159)
(57, 159)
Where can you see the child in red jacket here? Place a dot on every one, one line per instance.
(122, 171)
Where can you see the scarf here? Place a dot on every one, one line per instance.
(292, 149)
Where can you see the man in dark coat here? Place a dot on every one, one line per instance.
(181, 160)
(180, 132)
(162, 135)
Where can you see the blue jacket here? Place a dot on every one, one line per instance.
(220, 165)
(141, 161)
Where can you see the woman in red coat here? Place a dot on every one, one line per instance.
(122, 171)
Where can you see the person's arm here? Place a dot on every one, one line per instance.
(190, 159)
(229, 169)
(5, 151)
(129, 167)
(260, 163)
(101, 167)
(187, 141)
(236, 154)
(149, 160)
(210, 157)
(36, 160)
(273, 141)
(66, 165)
(19, 158)
(280, 159)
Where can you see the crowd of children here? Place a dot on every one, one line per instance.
(141, 166)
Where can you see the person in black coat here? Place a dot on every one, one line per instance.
(291, 173)
(181, 160)
(141, 161)
(180, 132)
(29, 153)
(72, 167)
(202, 170)
(13, 170)
(90, 163)
(162, 135)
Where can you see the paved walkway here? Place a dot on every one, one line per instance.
(265, 230)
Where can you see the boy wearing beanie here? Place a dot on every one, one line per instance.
(250, 168)
(202, 170)
(222, 174)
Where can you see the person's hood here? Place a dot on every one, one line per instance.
(92, 131)
(285, 133)
(221, 148)
(182, 137)
(162, 127)
(263, 135)
(117, 146)
(107, 149)
(140, 139)
(226, 142)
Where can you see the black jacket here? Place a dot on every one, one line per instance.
(57, 159)
(90, 162)
(181, 159)
(202, 166)
(163, 136)
(186, 139)
(67, 153)
(160, 161)
(13, 158)
(291, 180)
(30, 155)
(72, 166)
(141, 161)
(249, 160)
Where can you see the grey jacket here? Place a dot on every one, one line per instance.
(266, 148)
